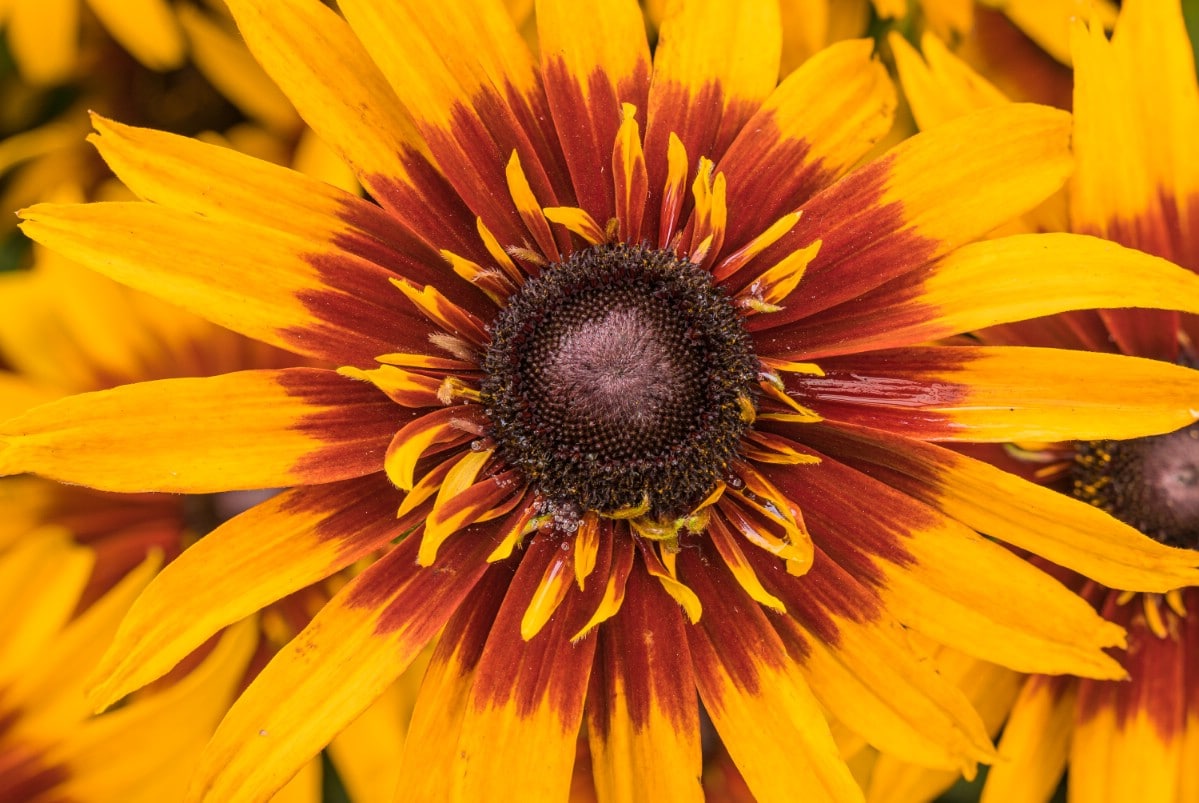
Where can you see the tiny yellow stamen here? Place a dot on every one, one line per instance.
(801, 413)
(672, 193)
(528, 523)
(497, 252)
(778, 282)
(711, 211)
(630, 512)
(787, 366)
(576, 220)
(586, 548)
(1153, 616)
(453, 388)
(630, 178)
(492, 282)
(550, 593)
(742, 256)
(662, 567)
(528, 208)
(1174, 600)
(443, 312)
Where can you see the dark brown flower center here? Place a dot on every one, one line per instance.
(619, 377)
(1150, 483)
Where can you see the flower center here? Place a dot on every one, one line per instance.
(620, 379)
(1149, 483)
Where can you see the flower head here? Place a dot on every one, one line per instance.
(627, 416)
(1136, 182)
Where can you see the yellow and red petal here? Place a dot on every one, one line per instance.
(318, 62)
(865, 670)
(278, 547)
(941, 578)
(817, 124)
(642, 716)
(995, 282)
(1015, 510)
(1035, 743)
(714, 64)
(1001, 393)
(245, 430)
(307, 296)
(466, 77)
(216, 182)
(428, 764)
(927, 196)
(346, 657)
(1136, 172)
(524, 693)
(594, 59)
(1129, 736)
(759, 702)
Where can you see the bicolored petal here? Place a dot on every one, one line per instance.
(642, 715)
(525, 693)
(274, 549)
(251, 429)
(714, 64)
(301, 294)
(220, 183)
(314, 57)
(942, 579)
(467, 78)
(1128, 737)
(346, 657)
(1001, 393)
(927, 196)
(594, 59)
(757, 698)
(1136, 167)
(1035, 743)
(428, 764)
(1022, 513)
(818, 123)
(998, 281)
(866, 671)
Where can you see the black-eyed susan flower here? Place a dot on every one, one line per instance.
(1137, 180)
(620, 345)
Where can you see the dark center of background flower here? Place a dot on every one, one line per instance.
(1150, 483)
(617, 377)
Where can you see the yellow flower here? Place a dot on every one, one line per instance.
(1136, 182)
(633, 415)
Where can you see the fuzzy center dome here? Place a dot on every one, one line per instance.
(1149, 483)
(619, 377)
